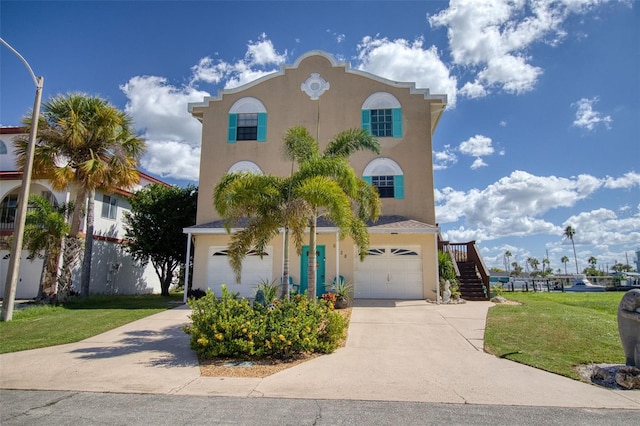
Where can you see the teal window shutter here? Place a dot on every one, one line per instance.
(367, 179)
(233, 127)
(262, 126)
(366, 120)
(397, 122)
(398, 186)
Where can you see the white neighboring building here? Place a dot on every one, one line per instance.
(112, 270)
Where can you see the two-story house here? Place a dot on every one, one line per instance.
(242, 130)
(112, 269)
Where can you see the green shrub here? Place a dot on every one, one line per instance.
(230, 327)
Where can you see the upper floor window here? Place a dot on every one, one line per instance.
(384, 185)
(382, 115)
(386, 176)
(3, 148)
(381, 122)
(109, 207)
(247, 127)
(8, 211)
(247, 121)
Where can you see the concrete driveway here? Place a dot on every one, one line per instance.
(396, 351)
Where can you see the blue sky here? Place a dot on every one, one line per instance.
(542, 129)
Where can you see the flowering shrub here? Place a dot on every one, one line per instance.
(227, 326)
(330, 298)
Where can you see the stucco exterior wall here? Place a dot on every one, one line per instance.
(338, 109)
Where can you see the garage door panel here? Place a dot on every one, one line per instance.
(390, 273)
(254, 271)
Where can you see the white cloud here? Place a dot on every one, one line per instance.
(627, 181)
(444, 159)
(402, 60)
(587, 118)
(260, 59)
(477, 163)
(514, 204)
(603, 227)
(208, 71)
(340, 37)
(159, 109)
(492, 37)
(477, 146)
(262, 52)
(511, 72)
(172, 159)
(503, 123)
(473, 90)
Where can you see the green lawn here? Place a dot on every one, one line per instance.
(45, 325)
(556, 331)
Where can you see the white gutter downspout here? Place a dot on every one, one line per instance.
(186, 269)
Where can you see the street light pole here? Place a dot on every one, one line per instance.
(11, 282)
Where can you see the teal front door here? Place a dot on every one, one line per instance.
(320, 275)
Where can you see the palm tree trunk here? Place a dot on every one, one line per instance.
(43, 274)
(70, 256)
(52, 258)
(311, 267)
(285, 266)
(574, 255)
(85, 278)
(71, 250)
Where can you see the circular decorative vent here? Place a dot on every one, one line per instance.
(315, 86)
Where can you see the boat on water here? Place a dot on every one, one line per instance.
(582, 284)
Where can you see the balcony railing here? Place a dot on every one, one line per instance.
(466, 252)
(7, 218)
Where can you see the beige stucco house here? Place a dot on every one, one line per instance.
(242, 130)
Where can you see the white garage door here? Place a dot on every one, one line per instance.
(254, 271)
(390, 273)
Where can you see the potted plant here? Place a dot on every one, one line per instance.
(343, 292)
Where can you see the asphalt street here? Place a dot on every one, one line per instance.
(19, 407)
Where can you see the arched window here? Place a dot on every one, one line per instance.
(245, 166)
(247, 121)
(3, 148)
(382, 115)
(387, 176)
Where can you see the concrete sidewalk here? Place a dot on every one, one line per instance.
(405, 351)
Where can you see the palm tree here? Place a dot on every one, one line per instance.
(265, 202)
(322, 179)
(533, 262)
(45, 228)
(565, 260)
(323, 185)
(517, 269)
(546, 265)
(569, 232)
(508, 255)
(87, 142)
(592, 261)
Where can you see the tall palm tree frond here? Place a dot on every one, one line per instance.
(299, 145)
(349, 141)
